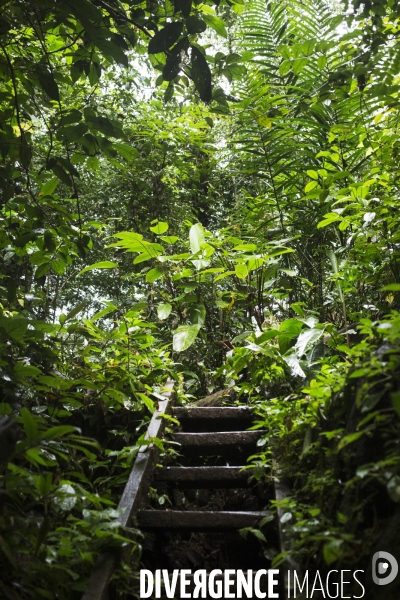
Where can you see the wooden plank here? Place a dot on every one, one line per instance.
(215, 440)
(197, 477)
(211, 412)
(135, 491)
(198, 520)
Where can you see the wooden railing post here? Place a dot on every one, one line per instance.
(135, 491)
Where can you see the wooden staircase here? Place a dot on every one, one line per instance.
(188, 536)
(208, 496)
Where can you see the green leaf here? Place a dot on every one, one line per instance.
(102, 124)
(30, 426)
(198, 314)
(310, 186)
(112, 50)
(163, 311)
(288, 332)
(195, 25)
(183, 6)
(127, 152)
(241, 271)
(393, 488)
(349, 439)
(392, 287)
(331, 551)
(196, 237)
(105, 264)
(201, 75)
(184, 336)
(165, 38)
(58, 266)
(48, 83)
(42, 270)
(306, 339)
(153, 275)
(66, 497)
(298, 65)
(395, 398)
(216, 23)
(148, 402)
(143, 257)
(15, 327)
(76, 310)
(50, 187)
(160, 228)
(59, 430)
(170, 239)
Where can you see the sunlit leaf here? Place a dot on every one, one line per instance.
(184, 336)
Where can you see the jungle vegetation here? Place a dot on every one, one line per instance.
(208, 191)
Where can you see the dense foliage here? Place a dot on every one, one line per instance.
(207, 192)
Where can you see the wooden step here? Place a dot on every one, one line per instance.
(212, 412)
(198, 520)
(228, 441)
(214, 418)
(198, 477)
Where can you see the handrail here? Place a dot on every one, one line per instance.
(132, 496)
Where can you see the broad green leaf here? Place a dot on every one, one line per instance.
(293, 361)
(393, 488)
(22, 370)
(196, 237)
(148, 402)
(195, 25)
(163, 311)
(59, 430)
(50, 187)
(65, 497)
(165, 38)
(15, 327)
(170, 239)
(153, 275)
(288, 333)
(105, 264)
(392, 287)
(298, 65)
(183, 6)
(47, 82)
(58, 266)
(332, 551)
(160, 228)
(184, 336)
(306, 339)
(128, 152)
(201, 74)
(310, 186)
(241, 271)
(104, 125)
(198, 314)
(349, 439)
(30, 426)
(143, 257)
(254, 263)
(216, 23)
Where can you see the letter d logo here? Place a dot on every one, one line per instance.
(381, 574)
